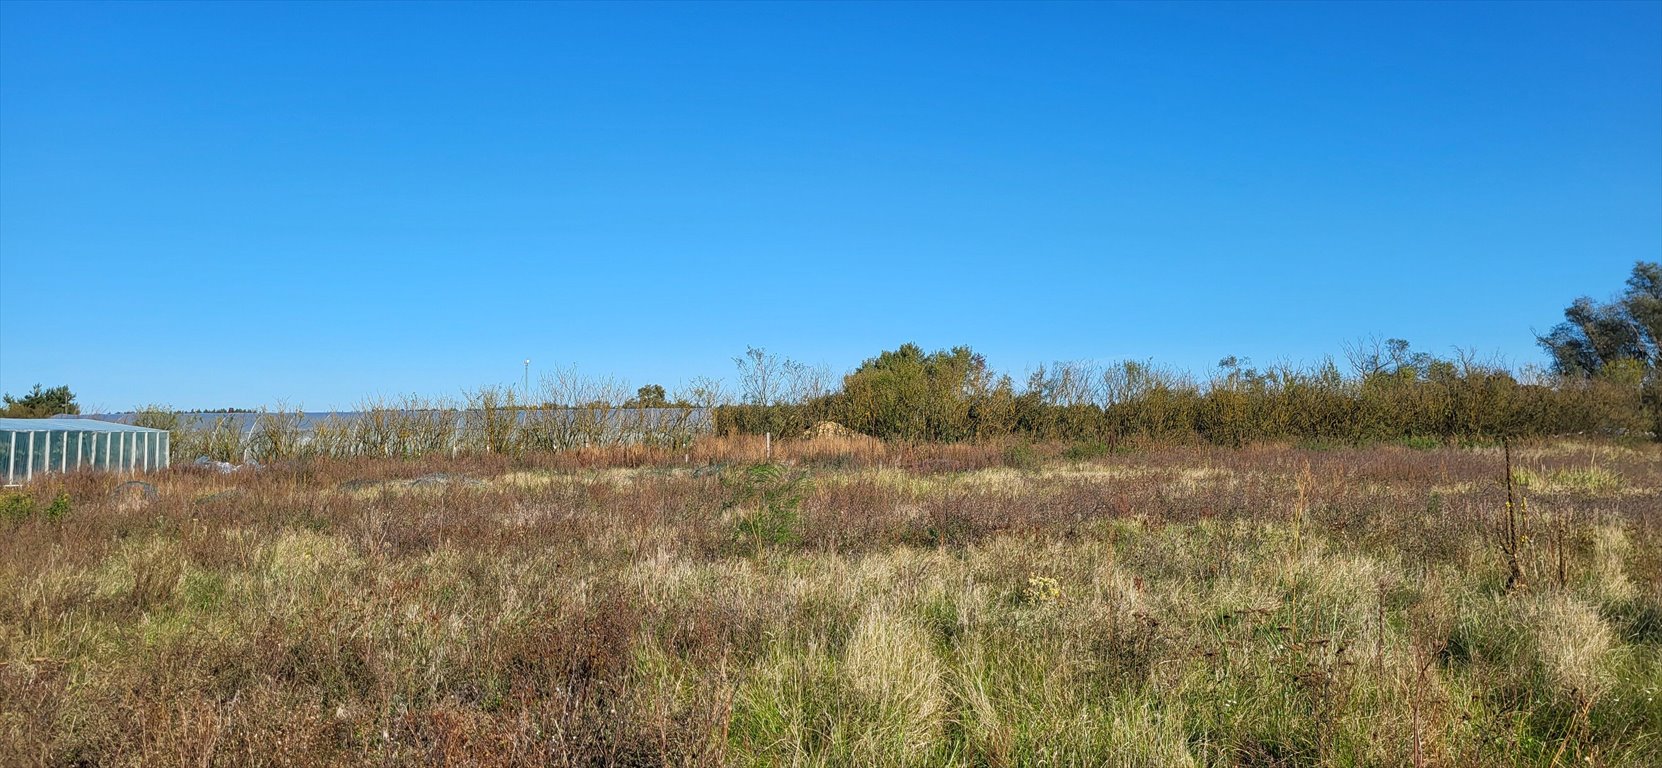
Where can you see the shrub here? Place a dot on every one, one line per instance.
(59, 507)
(1021, 456)
(770, 500)
(16, 507)
(1088, 449)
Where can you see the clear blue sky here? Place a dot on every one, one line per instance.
(236, 204)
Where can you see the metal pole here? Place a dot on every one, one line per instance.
(11, 461)
(146, 453)
(63, 453)
(29, 466)
(80, 439)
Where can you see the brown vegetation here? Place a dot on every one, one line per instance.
(864, 604)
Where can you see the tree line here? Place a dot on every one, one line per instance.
(1603, 378)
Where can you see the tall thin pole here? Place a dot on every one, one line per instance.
(11, 461)
(527, 389)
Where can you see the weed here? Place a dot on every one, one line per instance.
(1421, 442)
(59, 508)
(16, 506)
(1178, 605)
(768, 498)
(1021, 456)
(1087, 450)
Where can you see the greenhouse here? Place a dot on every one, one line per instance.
(30, 447)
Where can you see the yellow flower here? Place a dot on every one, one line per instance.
(1043, 589)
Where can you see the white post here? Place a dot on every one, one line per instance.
(107, 446)
(121, 452)
(80, 439)
(29, 466)
(11, 461)
(147, 451)
(63, 458)
(167, 450)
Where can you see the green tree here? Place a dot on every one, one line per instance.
(1643, 301)
(909, 394)
(41, 403)
(1617, 344)
(1595, 334)
(649, 396)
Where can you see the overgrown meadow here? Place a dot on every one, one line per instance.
(849, 602)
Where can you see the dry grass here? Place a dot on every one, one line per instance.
(933, 606)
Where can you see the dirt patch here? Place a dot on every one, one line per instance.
(829, 429)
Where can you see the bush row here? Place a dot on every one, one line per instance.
(1244, 407)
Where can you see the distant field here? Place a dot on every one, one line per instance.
(853, 603)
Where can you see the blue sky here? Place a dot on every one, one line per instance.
(240, 204)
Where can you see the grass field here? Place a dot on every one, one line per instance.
(851, 604)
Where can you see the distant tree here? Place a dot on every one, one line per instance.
(41, 403)
(705, 392)
(766, 378)
(649, 396)
(1643, 300)
(1594, 334)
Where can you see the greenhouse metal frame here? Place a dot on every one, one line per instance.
(31, 447)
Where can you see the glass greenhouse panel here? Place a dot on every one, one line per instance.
(55, 442)
(30, 448)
